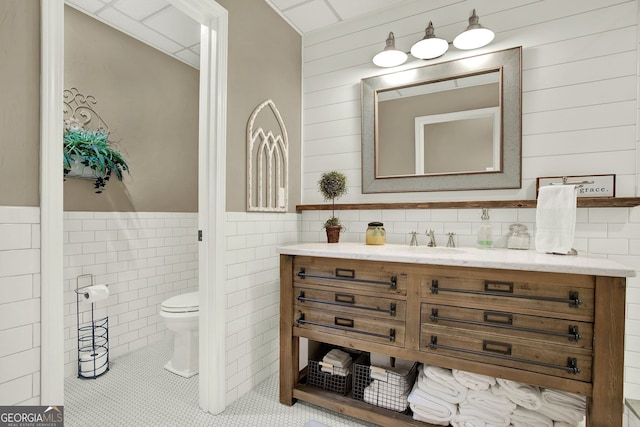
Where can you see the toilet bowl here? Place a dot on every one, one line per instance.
(180, 314)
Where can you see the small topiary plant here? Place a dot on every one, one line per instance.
(332, 185)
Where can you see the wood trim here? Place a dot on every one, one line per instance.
(608, 353)
(289, 345)
(583, 202)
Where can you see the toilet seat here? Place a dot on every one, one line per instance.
(185, 303)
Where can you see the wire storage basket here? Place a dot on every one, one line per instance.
(328, 377)
(93, 338)
(384, 387)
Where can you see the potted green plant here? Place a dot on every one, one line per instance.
(332, 185)
(89, 153)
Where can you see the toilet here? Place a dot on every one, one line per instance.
(181, 315)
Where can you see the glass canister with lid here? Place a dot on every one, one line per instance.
(376, 235)
(518, 237)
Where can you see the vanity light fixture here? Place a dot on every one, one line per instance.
(474, 36)
(430, 47)
(390, 56)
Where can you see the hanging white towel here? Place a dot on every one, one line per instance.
(556, 218)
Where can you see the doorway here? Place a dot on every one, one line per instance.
(211, 195)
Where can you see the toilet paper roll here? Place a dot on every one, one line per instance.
(93, 364)
(95, 293)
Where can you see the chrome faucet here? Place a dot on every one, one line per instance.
(432, 238)
(451, 243)
(414, 239)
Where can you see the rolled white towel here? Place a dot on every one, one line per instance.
(490, 418)
(527, 396)
(522, 417)
(488, 401)
(563, 406)
(563, 424)
(473, 381)
(429, 408)
(440, 383)
(467, 421)
(337, 357)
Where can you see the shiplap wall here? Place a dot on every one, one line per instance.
(580, 86)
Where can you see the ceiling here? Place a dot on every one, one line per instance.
(309, 15)
(162, 26)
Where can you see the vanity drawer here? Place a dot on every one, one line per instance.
(365, 328)
(545, 329)
(382, 278)
(518, 294)
(349, 303)
(499, 350)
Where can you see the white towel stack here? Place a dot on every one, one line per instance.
(430, 409)
(337, 362)
(564, 407)
(440, 382)
(522, 417)
(527, 396)
(473, 381)
(435, 396)
(487, 406)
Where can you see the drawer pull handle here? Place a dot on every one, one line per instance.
(573, 333)
(340, 321)
(344, 300)
(498, 318)
(497, 347)
(574, 300)
(391, 337)
(504, 287)
(572, 363)
(343, 272)
(392, 283)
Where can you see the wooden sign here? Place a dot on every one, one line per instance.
(588, 185)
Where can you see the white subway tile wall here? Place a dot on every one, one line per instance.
(144, 258)
(253, 295)
(19, 305)
(594, 236)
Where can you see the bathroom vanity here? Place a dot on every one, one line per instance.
(548, 320)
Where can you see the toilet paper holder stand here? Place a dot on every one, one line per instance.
(93, 337)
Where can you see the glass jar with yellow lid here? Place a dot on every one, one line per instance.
(376, 235)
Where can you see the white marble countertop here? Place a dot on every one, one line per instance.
(508, 259)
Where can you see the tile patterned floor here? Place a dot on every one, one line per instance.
(137, 391)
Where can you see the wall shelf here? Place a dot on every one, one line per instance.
(583, 202)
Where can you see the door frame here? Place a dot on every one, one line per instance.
(211, 200)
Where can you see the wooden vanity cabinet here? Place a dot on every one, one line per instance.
(554, 330)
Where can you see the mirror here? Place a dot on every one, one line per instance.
(449, 126)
